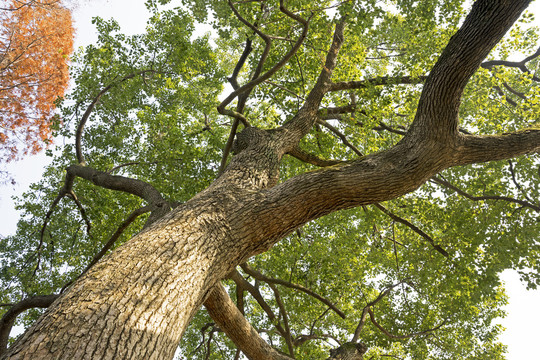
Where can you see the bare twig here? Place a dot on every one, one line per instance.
(285, 317)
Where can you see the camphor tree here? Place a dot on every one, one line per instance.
(406, 116)
(36, 38)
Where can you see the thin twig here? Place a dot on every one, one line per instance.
(523, 203)
(413, 228)
(340, 135)
(401, 337)
(259, 276)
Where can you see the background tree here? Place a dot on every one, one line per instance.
(36, 38)
(407, 278)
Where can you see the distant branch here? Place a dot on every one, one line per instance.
(401, 337)
(65, 190)
(72, 195)
(90, 108)
(514, 180)
(413, 228)
(285, 317)
(448, 185)
(254, 82)
(521, 65)
(339, 134)
(368, 306)
(254, 291)
(259, 276)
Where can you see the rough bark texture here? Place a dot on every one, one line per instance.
(137, 302)
(348, 351)
(8, 319)
(227, 316)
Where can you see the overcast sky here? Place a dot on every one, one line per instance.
(524, 308)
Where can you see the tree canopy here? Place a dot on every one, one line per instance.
(36, 39)
(408, 271)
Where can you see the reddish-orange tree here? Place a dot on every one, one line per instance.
(36, 37)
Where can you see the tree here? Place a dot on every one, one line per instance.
(36, 38)
(357, 89)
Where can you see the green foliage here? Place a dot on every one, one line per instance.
(158, 123)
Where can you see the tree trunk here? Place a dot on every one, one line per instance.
(137, 302)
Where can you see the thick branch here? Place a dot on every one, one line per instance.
(521, 65)
(227, 316)
(7, 321)
(383, 80)
(302, 123)
(119, 183)
(301, 155)
(233, 80)
(486, 24)
(476, 149)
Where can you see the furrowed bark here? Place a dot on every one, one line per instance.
(486, 24)
(227, 316)
(475, 149)
(137, 302)
(8, 319)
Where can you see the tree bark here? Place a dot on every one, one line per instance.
(227, 316)
(137, 302)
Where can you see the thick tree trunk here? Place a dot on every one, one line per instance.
(137, 302)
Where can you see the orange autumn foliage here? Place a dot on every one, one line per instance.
(36, 38)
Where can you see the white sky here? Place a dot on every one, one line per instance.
(523, 310)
